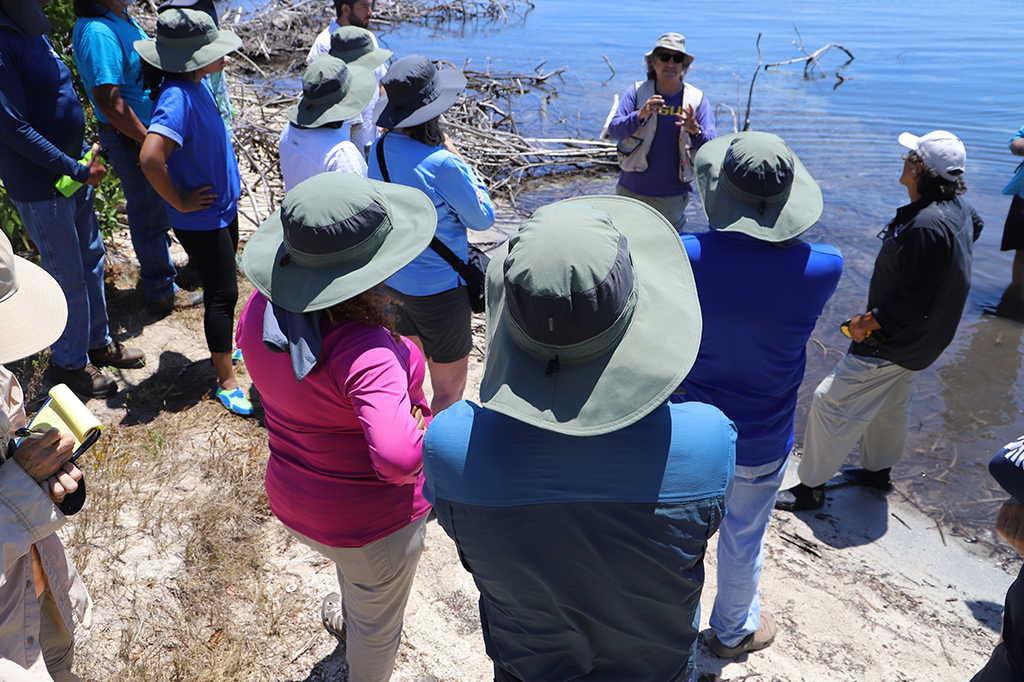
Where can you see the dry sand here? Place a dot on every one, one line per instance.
(868, 589)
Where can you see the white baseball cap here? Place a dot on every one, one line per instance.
(940, 150)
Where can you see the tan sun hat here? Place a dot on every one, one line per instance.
(33, 310)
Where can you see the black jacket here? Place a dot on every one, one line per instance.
(921, 280)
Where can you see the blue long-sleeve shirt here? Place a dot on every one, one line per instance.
(41, 120)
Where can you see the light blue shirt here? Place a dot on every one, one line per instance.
(105, 55)
(452, 187)
(186, 113)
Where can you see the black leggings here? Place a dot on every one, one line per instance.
(212, 253)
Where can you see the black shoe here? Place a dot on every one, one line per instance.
(878, 480)
(116, 355)
(801, 498)
(89, 381)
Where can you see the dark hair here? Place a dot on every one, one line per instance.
(430, 133)
(338, 4)
(372, 307)
(86, 9)
(929, 182)
(153, 78)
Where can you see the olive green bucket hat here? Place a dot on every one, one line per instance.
(336, 235)
(186, 40)
(332, 91)
(592, 317)
(752, 182)
(355, 45)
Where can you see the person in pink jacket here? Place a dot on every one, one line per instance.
(343, 396)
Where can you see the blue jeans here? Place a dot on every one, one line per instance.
(147, 221)
(749, 503)
(67, 235)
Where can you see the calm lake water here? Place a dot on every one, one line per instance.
(918, 66)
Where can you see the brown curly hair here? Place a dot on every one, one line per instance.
(373, 308)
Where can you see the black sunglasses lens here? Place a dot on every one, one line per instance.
(669, 57)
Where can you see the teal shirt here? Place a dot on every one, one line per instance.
(105, 55)
(588, 551)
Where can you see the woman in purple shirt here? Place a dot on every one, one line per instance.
(343, 395)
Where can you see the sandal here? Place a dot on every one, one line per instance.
(235, 401)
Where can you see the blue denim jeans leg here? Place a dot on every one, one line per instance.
(147, 221)
(67, 234)
(749, 503)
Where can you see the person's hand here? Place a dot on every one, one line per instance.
(688, 121)
(43, 455)
(861, 325)
(97, 171)
(63, 482)
(417, 414)
(197, 199)
(651, 106)
(1010, 524)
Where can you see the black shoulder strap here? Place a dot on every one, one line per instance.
(380, 159)
(436, 244)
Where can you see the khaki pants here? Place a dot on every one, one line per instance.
(864, 399)
(375, 581)
(673, 208)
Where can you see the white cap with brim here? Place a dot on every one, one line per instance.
(33, 310)
(941, 151)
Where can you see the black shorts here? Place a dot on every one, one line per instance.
(441, 321)
(1013, 230)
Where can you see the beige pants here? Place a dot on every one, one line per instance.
(864, 399)
(375, 581)
(673, 208)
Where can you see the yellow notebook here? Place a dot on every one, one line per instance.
(66, 413)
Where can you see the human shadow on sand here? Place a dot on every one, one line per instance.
(852, 515)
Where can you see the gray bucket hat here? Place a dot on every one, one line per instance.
(592, 317)
(336, 235)
(354, 45)
(752, 182)
(33, 308)
(675, 42)
(186, 40)
(415, 92)
(332, 91)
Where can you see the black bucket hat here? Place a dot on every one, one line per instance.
(415, 92)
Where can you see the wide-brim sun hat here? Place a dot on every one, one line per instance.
(186, 40)
(336, 235)
(942, 151)
(752, 182)
(415, 91)
(332, 91)
(593, 319)
(355, 45)
(675, 42)
(33, 308)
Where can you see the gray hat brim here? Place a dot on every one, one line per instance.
(370, 60)
(182, 60)
(451, 84)
(627, 383)
(359, 95)
(725, 213)
(301, 290)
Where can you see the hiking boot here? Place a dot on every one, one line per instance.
(181, 300)
(801, 498)
(878, 480)
(116, 355)
(755, 641)
(89, 381)
(331, 615)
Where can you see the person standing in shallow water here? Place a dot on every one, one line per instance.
(918, 289)
(660, 124)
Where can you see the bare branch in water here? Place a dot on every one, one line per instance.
(750, 95)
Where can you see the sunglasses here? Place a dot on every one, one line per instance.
(671, 57)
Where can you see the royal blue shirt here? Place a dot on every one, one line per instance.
(759, 302)
(105, 55)
(186, 113)
(588, 551)
(41, 121)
